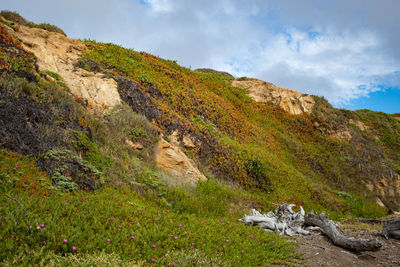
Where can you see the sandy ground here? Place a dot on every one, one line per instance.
(318, 250)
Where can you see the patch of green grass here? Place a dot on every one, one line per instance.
(63, 227)
(8, 24)
(62, 84)
(54, 75)
(362, 206)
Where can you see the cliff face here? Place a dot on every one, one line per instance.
(290, 101)
(59, 54)
(206, 121)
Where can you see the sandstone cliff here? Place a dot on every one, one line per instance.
(59, 54)
(289, 100)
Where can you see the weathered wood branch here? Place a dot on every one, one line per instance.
(284, 220)
(391, 228)
(329, 228)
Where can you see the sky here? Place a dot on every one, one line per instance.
(346, 51)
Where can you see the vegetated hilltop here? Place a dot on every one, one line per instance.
(121, 157)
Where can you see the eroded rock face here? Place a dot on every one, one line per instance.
(289, 100)
(172, 160)
(359, 124)
(387, 191)
(58, 53)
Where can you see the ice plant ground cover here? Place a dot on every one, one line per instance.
(118, 222)
(102, 203)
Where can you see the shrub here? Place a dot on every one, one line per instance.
(8, 24)
(88, 64)
(84, 145)
(48, 27)
(257, 170)
(13, 16)
(68, 171)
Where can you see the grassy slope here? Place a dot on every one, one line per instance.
(107, 220)
(275, 157)
(253, 144)
(188, 226)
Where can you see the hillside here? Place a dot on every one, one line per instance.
(119, 157)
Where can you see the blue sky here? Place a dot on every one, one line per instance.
(346, 51)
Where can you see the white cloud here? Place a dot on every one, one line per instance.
(340, 66)
(341, 50)
(160, 5)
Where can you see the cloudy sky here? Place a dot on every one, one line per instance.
(346, 51)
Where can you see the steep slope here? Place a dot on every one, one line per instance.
(58, 54)
(255, 144)
(99, 117)
(376, 145)
(95, 200)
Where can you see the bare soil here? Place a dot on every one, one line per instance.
(318, 250)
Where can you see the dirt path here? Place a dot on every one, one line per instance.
(318, 250)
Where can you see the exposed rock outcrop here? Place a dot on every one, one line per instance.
(172, 160)
(387, 191)
(135, 146)
(289, 100)
(58, 53)
(359, 124)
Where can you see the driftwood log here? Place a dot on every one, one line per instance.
(328, 228)
(288, 222)
(283, 220)
(391, 228)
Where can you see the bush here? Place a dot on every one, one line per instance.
(88, 64)
(68, 171)
(257, 170)
(8, 24)
(84, 145)
(13, 16)
(49, 27)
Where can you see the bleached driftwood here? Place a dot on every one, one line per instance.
(391, 228)
(284, 220)
(328, 227)
(288, 222)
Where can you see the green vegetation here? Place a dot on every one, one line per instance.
(7, 23)
(89, 198)
(223, 73)
(47, 26)
(54, 75)
(118, 226)
(253, 144)
(15, 17)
